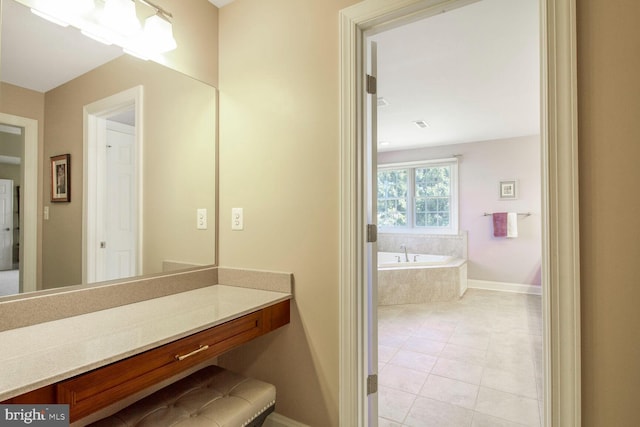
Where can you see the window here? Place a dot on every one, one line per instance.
(419, 197)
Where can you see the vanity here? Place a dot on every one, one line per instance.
(95, 359)
(96, 345)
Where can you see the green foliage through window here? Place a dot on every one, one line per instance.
(392, 198)
(415, 197)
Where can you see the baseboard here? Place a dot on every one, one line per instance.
(277, 420)
(504, 287)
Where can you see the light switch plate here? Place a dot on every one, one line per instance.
(237, 219)
(201, 220)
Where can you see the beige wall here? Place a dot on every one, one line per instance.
(279, 161)
(609, 150)
(195, 28)
(178, 158)
(10, 171)
(11, 144)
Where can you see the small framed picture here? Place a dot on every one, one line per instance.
(508, 190)
(61, 178)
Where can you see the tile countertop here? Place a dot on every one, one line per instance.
(45, 353)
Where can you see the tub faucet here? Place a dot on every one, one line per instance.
(406, 256)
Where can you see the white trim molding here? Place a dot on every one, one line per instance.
(561, 257)
(517, 288)
(277, 420)
(561, 281)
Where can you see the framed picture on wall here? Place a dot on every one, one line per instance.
(508, 190)
(61, 178)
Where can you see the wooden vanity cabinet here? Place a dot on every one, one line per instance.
(97, 389)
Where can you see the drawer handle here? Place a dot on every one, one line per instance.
(184, 356)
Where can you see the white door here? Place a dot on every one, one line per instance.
(112, 227)
(371, 250)
(6, 224)
(120, 204)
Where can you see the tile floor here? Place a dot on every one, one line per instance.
(9, 282)
(475, 362)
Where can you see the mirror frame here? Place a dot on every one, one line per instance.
(196, 27)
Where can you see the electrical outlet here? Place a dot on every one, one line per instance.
(201, 221)
(237, 219)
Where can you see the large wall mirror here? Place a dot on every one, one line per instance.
(141, 175)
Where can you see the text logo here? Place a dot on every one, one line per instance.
(34, 415)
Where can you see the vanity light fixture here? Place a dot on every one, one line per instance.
(61, 12)
(113, 22)
(120, 17)
(157, 37)
(158, 33)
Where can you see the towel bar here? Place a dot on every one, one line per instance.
(519, 213)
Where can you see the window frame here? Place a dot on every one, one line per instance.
(411, 228)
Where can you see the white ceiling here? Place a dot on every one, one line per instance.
(36, 54)
(472, 74)
(220, 3)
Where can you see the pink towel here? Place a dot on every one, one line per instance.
(500, 224)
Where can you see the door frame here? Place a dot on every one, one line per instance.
(560, 228)
(94, 118)
(29, 246)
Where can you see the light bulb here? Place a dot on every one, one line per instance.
(120, 16)
(158, 34)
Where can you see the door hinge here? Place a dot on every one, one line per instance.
(372, 233)
(372, 85)
(372, 384)
(103, 245)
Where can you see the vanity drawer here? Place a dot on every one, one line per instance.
(97, 389)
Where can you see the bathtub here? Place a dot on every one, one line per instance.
(425, 278)
(398, 260)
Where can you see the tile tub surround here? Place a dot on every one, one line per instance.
(431, 244)
(28, 309)
(473, 362)
(45, 353)
(412, 285)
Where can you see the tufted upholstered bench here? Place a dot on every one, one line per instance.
(211, 396)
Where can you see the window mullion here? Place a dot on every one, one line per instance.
(411, 202)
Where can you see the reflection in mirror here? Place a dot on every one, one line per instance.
(173, 174)
(11, 159)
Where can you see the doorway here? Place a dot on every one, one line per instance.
(20, 162)
(8, 257)
(559, 211)
(457, 111)
(112, 216)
